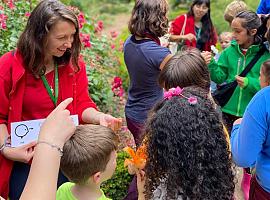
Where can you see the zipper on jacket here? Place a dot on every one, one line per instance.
(241, 91)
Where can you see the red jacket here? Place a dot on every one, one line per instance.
(176, 28)
(12, 85)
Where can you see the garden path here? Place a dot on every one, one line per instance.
(119, 23)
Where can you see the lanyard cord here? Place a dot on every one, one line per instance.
(54, 97)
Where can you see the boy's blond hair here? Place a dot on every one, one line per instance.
(88, 151)
(233, 8)
(225, 34)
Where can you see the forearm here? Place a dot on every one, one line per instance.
(216, 73)
(41, 170)
(176, 38)
(91, 116)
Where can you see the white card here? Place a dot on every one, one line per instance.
(25, 132)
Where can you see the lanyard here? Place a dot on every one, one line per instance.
(54, 97)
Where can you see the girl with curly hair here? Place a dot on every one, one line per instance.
(188, 156)
(144, 58)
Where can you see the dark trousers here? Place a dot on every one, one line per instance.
(256, 192)
(137, 130)
(18, 179)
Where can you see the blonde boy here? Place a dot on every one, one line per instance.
(89, 159)
(233, 8)
(225, 39)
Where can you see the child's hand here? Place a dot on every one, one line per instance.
(132, 169)
(207, 56)
(242, 81)
(58, 126)
(140, 184)
(238, 121)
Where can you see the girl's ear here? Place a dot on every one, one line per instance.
(253, 32)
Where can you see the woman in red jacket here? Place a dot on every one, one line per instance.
(195, 28)
(44, 70)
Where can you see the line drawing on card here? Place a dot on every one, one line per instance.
(21, 130)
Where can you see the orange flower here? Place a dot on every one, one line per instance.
(138, 158)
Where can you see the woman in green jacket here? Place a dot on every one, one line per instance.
(234, 59)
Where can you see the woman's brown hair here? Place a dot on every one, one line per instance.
(31, 44)
(187, 68)
(149, 17)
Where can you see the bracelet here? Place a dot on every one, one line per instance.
(53, 146)
(5, 144)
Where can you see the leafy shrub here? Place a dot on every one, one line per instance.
(13, 17)
(116, 187)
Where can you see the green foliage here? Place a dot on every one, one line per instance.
(15, 22)
(116, 187)
(102, 66)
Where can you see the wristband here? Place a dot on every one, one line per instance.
(53, 146)
(5, 144)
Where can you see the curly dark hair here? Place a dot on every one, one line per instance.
(149, 17)
(187, 150)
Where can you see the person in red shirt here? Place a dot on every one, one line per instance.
(45, 69)
(195, 28)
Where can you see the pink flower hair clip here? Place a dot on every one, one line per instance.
(178, 92)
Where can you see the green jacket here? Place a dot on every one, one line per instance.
(231, 63)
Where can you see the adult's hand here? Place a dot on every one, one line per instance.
(109, 121)
(21, 154)
(58, 126)
(190, 37)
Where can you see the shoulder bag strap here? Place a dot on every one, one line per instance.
(184, 25)
(253, 61)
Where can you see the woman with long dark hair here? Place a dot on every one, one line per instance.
(195, 28)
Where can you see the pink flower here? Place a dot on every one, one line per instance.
(114, 34)
(192, 100)
(177, 91)
(1, 8)
(121, 45)
(85, 38)
(3, 22)
(173, 92)
(27, 14)
(11, 5)
(117, 82)
(81, 19)
(99, 26)
(112, 46)
(167, 95)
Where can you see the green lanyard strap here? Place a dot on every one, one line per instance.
(54, 97)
